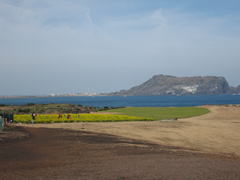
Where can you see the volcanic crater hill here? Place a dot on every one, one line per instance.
(171, 85)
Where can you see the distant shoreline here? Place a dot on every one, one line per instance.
(103, 95)
(126, 101)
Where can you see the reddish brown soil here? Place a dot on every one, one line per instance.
(66, 154)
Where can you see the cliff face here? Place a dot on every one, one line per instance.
(171, 85)
(235, 90)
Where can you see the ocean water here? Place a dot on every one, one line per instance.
(135, 101)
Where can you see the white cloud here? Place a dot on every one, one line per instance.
(67, 36)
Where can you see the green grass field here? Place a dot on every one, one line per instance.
(53, 118)
(161, 113)
(125, 114)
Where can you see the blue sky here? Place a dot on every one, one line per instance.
(61, 46)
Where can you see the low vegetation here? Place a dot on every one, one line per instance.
(50, 108)
(54, 118)
(58, 113)
(161, 113)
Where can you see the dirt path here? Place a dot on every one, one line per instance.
(217, 132)
(65, 154)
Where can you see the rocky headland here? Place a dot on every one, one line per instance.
(172, 85)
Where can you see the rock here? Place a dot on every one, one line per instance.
(171, 85)
(235, 90)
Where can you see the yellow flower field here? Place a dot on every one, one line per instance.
(54, 118)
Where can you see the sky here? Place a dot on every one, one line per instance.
(69, 46)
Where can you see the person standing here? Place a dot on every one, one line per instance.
(5, 119)
(11, 117)
(59, 116)
(69, 116)
(33, 117)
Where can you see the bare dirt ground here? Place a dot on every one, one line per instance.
(13, 133)
(217, 132)
(67, 154)
(205, 147)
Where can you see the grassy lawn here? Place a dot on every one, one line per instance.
(125, 114)
(160, 113)
(53, 118)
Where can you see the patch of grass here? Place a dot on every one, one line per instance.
(125, 114)
(53, 118)
(161, 113)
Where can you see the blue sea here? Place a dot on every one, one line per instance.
(135, 101)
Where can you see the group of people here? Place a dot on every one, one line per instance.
(60, 116)
(7, 118)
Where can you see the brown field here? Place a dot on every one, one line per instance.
(205, 147)
(217, 132)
